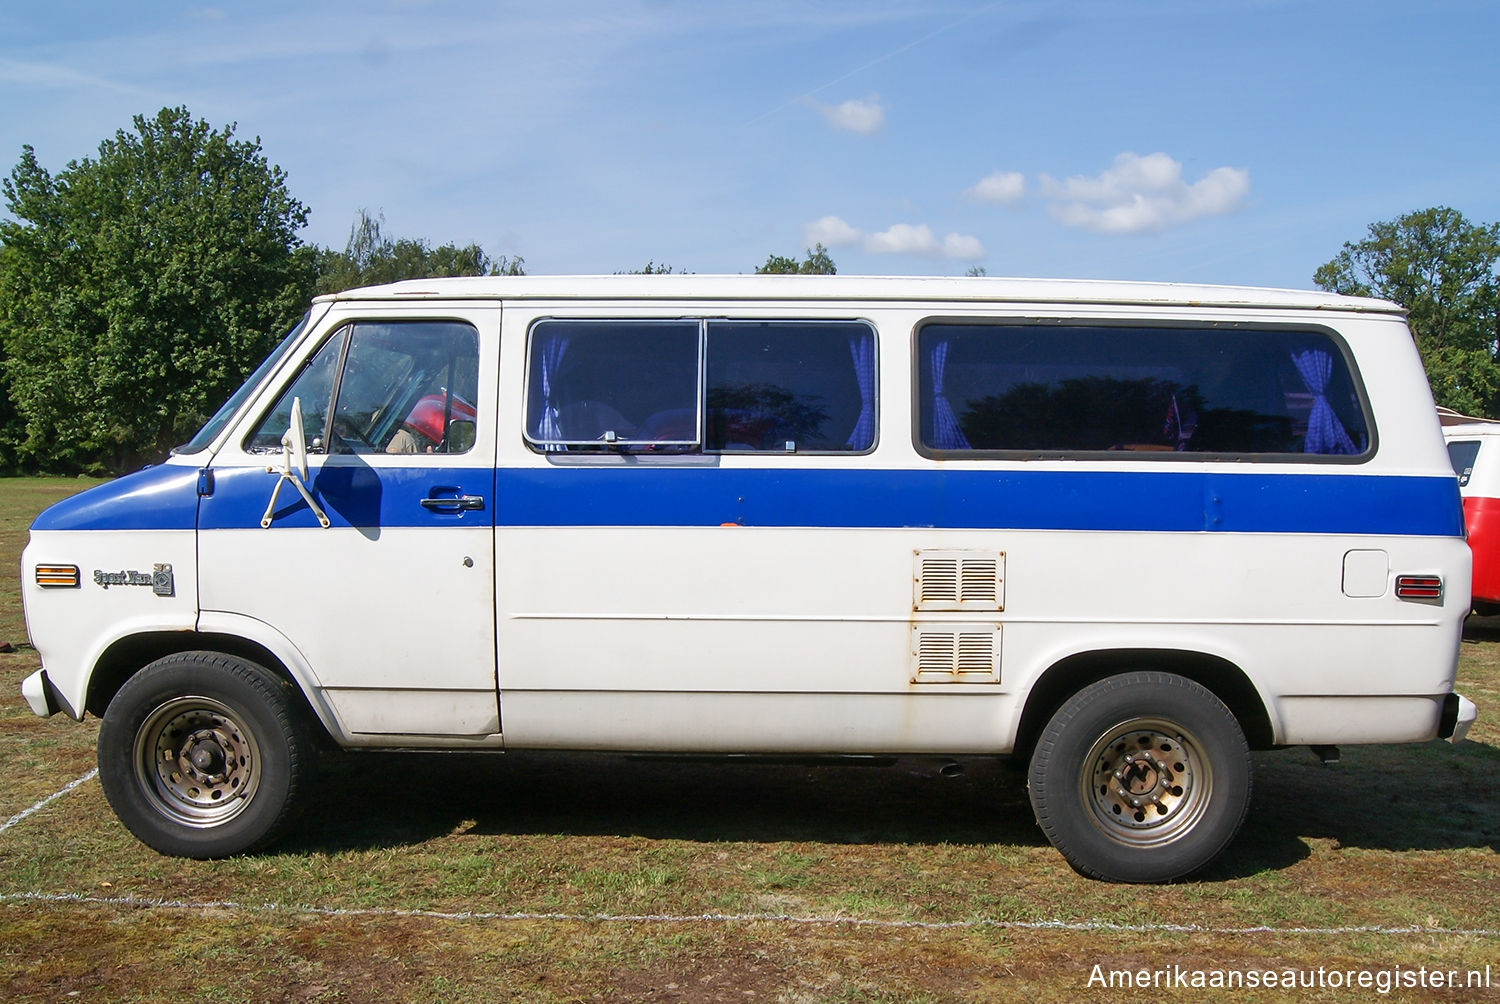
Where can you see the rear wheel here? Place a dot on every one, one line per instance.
(204, 755)
(1141, 777)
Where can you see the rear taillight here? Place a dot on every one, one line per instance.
(1419, 587)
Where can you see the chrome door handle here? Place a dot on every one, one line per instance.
(456, 504)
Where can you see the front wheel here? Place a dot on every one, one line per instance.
(203, 755)
(1141, 777)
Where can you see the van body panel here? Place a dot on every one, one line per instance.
(213, 623)
(789, 612)
(1345, 720)
(782, 724)
(69, 655)
(133, 543)
(413, 644)
(391, 606)
(164, 497)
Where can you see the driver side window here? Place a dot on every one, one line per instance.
(314, 385)
(399, 387)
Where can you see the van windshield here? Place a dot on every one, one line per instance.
(215, 425)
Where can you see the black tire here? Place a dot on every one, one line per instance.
(204, 755)
(1141, 777)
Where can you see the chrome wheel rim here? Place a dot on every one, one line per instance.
(1146, 782)
(196, 761)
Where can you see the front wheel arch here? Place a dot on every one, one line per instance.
(127, 656)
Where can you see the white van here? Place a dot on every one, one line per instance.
(1128, 531)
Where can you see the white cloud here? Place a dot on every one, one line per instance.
(1000, 188)
(830, 231)
(1142, 194)
(905, 238)
(962, 246)
(58, 76)
(865, 117)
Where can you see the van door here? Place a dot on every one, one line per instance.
(389, 607)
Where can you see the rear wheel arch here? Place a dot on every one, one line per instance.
(1226, 681)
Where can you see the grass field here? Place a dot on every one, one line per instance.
(443, 877)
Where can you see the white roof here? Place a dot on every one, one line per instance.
(860, 287)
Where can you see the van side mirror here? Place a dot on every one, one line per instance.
(461, 436)
(294, 442)
(293, 454)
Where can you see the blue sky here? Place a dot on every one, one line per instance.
(1240, 141)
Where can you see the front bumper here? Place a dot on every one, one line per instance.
(40, 695)
(1458, 714)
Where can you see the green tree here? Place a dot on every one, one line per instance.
(138, 289)
(371, 258)
(652, 268)
(1442, 269)
(817, 262)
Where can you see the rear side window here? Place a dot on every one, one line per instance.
(697, 385)
(776, 386)
(1462, 453)
(1118, 390)
(615, 383)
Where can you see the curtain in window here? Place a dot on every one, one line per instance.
(1325, 433)
(862, 348)
(1179, 426)
(946, 434)
(550, 355)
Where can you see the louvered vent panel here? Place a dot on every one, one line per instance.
(978, 580)
(959, 580)
(937, 581)
(935, 650)
(976, 653)
(953, 653)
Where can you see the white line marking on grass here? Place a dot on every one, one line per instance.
(1085, 926)
(13, 820)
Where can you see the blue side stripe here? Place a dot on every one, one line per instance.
(352, 494)
(1187, 501)
(1020, 500)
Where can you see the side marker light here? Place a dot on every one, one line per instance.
(57, 576)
